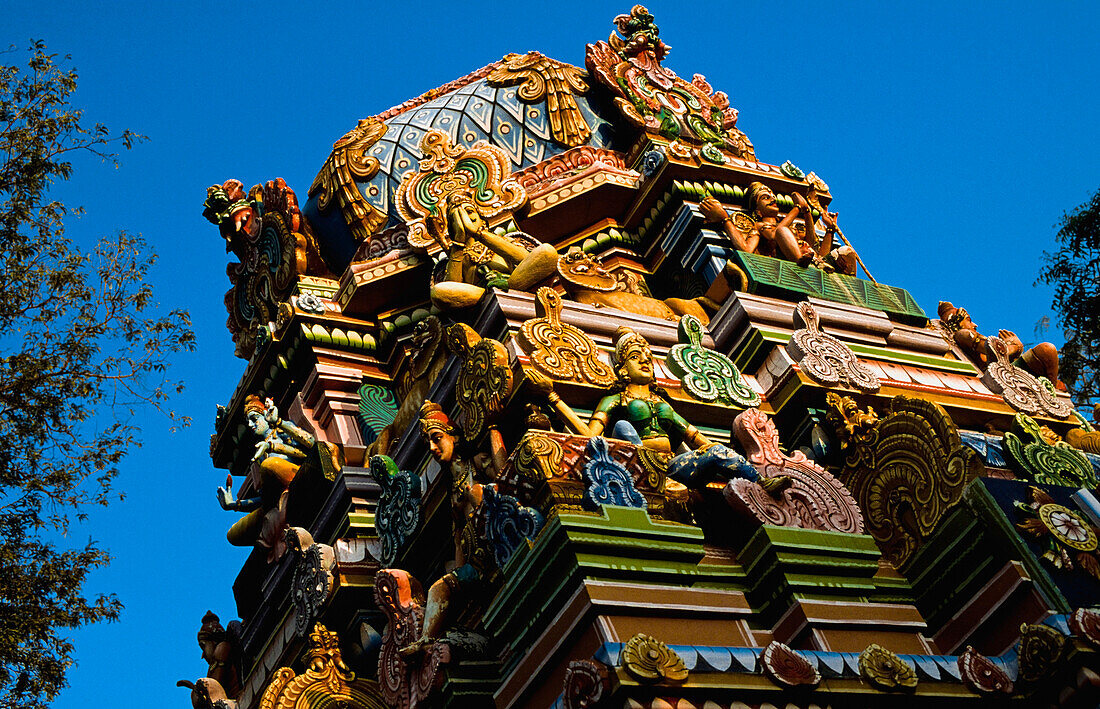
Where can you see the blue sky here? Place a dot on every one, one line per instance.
(953, 136)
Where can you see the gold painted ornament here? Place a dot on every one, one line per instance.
(538, 77)
(885, 670)
(561, 351)
(337, 178)
(650, 660)
(326, 682)
(485, 379)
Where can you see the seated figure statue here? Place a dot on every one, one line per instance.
(279, 452)
(769, 235)
(640, 412)
(469, 243)
(1041, 360)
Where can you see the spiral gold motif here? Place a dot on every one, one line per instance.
(484, 381)
(558, 350)
(650, 660)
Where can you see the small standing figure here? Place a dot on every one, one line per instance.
(220, 649)
(279, 452)
(449, 448)
(1041, 360)
(639, 412)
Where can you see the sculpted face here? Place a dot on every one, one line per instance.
(464, 218)
(258, 423)
(766, 204)
(638, 367)
(442, 446)
(583, 271)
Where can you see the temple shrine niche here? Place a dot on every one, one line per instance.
(555, 395)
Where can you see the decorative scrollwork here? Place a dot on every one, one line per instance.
(655, 98)
(484, 381)
(650, 660)
(1040, 651)
(982, 675)
(608, 482)
(538, 77)
(398, 513)
(1085, 624)
(885, 670)
(705, 374)
(483, 172)
(815, 499)
(326, 676)
(1041, 462)
(347, 163)
(405, 683)
(559, 350)
(787, 667)
(907, 474)
(824, 358)
(314, 580)
(1020, 389)
(585, 685)
(504, 524)
(377, 409)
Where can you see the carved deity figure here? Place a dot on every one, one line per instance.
(467, 472)
(587, 281)
(279, 452)
(770, 235)
(219, 649)
(640, 412)
(470, 244)
(1041, 360)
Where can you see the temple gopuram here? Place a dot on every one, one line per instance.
(557, 396)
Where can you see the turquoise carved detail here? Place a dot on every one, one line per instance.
(398, 512)
(377, 408)
(705, 374)
(608, 482)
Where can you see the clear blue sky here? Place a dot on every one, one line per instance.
(953, 136)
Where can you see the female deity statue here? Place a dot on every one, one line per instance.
(640, 412)
(449, 448)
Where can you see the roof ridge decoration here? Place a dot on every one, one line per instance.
(437, 92)
(538, 76)
(480, 173)
(1020, 389)
(656, 99)
(347, 163)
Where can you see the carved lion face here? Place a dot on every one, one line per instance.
(580, 270)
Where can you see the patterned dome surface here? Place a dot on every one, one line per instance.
(476, 111)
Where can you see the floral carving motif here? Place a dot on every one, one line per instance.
(541, 176)
(559, 350)
(907, 474)
(1040, 651)
(824, 358)
(484, 381)
(608, 482)
(655, 98)
(1066, 538)
(347, 163)
(704, 373)
(982, 675)
(398, 512)
(1085, 624)
(885, 670)
(650, 660)
(482, 172)
(326, 675)
(1042, 462)
(1021, 389)
(787, 667)
(585, 685)
(538, 77)
(504, 524)
(815, 499)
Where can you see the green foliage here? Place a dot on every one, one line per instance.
(1074, 271)
(82, 346)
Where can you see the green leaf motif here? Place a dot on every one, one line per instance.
(705, 374)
